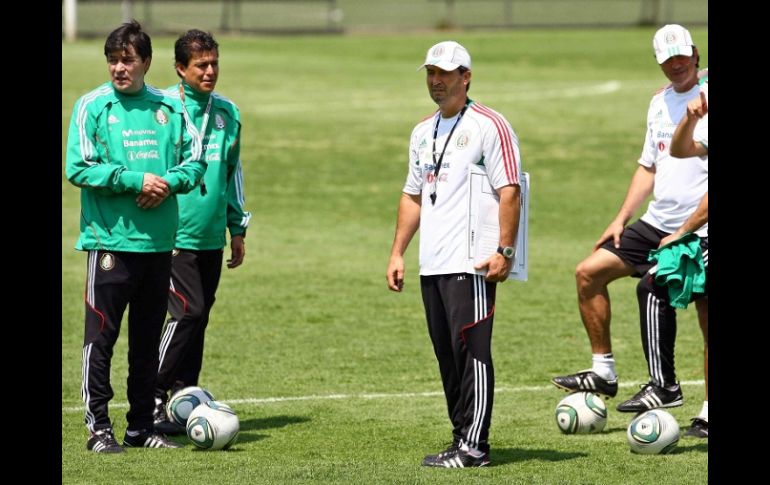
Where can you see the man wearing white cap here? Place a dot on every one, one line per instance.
(459, 305)
(677, 185)
(690, 139)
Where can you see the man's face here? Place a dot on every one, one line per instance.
(127, 69)
(446, 85)
(202, 71)
(681, 71)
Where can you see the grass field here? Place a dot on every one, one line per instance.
(333, 376)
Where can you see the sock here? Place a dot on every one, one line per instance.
(704, 412)
(604, 366)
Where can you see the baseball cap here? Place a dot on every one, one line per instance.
(672, 40)
(447, 55)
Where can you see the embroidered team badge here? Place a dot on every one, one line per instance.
(161, 117)
(219, 122)
(462, 140)
(107, 261)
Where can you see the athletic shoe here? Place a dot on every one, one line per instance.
(651, 397)
(149, 439)
(698, 429)
(587, 380)
(460, 457)
(103, 441)
(161, 422)
(431, 460)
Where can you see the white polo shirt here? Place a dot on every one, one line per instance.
(482, 137)
(679, 182)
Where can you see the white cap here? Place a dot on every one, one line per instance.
(447, 55)
(672, 40)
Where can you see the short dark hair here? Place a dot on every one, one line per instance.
(462, 70)
(129, 34)
(193, 40)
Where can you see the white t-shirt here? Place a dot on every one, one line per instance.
(679, 182)
(482, 137)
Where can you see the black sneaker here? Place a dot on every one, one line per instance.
(698, 429)
(461, 457)
(651, 397)
(431, 460)
(161, 422)
(103, 441)
(587, 380)
(149, 439)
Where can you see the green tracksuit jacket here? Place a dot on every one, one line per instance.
(204, 215)
(114, 139)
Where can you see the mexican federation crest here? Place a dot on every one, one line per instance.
(107, 261)
(219, 122)
(462, 139)
(161, 117)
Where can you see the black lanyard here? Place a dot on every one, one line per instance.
(437, 165)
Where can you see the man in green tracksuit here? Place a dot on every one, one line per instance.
(130, 151)
(203, 219)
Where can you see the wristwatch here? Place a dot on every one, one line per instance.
(507, 251)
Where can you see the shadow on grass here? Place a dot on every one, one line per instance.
(501, 456)
(614, 430)
(701, 446)
(249, 426)
(250, 437)
(271, 422)
(242, 438)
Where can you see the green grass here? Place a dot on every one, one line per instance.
(326, 127)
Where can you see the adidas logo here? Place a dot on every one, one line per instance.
(112, 119)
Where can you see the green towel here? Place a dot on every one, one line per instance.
(681, 269)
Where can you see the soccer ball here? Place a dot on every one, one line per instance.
(580, 413)
(653, 432)
(213, 426)
(184, 401)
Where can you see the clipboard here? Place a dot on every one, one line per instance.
(484, 226)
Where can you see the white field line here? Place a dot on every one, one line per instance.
(383, 395)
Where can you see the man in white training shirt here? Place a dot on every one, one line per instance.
(691, 140)
(459, 302)
(677, 185)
